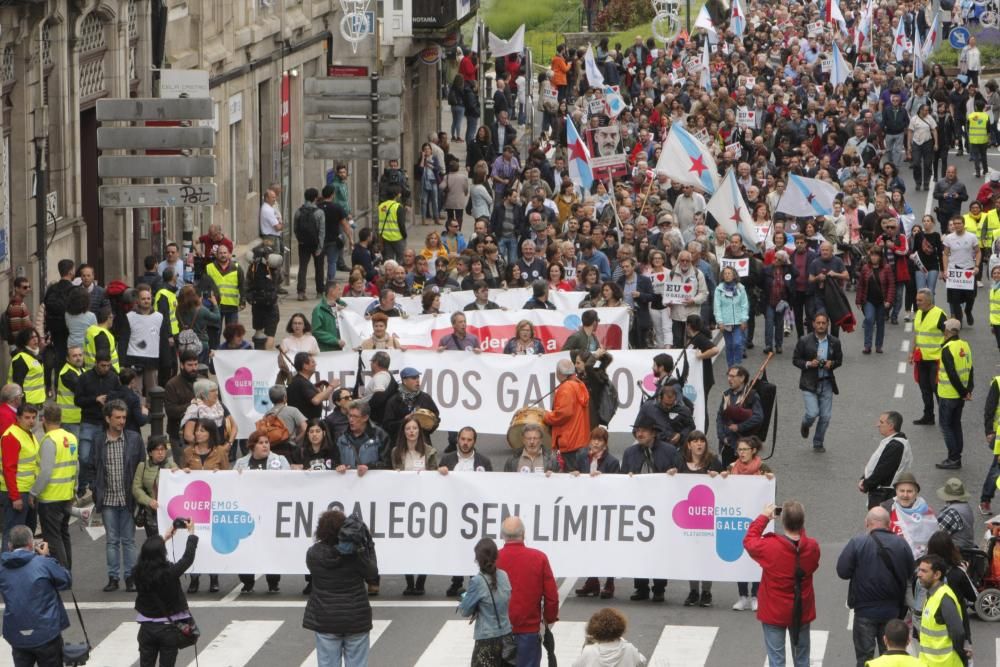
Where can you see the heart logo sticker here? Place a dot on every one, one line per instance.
(969, 274)
(241, 383)
(742, 263)
(195, 503)
(697, 512)
(687, 289)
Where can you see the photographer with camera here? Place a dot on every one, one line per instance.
(165, 623)
(34, 615)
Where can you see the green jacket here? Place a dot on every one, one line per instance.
(324, 325)
(340, 194)
(146, 476)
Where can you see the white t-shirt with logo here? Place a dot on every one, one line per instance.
(962, 250)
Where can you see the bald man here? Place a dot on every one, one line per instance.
(878, 564)
(532, 585)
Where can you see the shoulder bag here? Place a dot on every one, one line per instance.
(77, 653)
(508, 645)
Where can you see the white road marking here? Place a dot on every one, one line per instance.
(569, 636)
(95, 533)
(119, 649)
(237, 644)
(908, 327)
(901, 369)
(565, 589)
(683, 646)
(905, 345)
(262, 602)
(235, 593)
(899, 391)
(452, 646)
(997, 652)
(850, 619)
(817, 648)
(378, 627)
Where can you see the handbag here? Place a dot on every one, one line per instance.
(508, 646)
(77, 653)
(188, 632)
(139, 512)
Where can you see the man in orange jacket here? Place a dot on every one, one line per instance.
(560, 68)
(570, 417)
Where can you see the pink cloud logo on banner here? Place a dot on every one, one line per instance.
(195, 503)
(697, 511)
(241, 383)
(229, 526)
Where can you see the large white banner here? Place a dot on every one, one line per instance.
(508, 299)
(673, 527)
(481, 390)
(493, 328)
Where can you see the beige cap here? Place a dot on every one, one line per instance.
(952, 325)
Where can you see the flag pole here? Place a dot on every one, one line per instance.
(645, 199)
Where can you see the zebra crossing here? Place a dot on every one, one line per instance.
(240, 641)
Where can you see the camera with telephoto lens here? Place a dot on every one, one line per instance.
(181, 522)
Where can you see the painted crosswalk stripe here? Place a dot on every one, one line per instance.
(119, 649)
(569, 637)
(378, 627)
(683, 646)
(237, 643)
(997, 652)
(452, 647)
(817, 648)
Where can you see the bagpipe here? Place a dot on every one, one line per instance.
(767, 392)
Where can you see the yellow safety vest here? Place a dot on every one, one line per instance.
(171, 308)
(27, 460)
(894, 661)
(961, 353)
(972, 224)
(388, 216)
(935, 644)
(994, 307)
(927, 336)
(996, 424)
(978, 127)
(62, 483)
(34, 381)
(90, 347)
(65, 398)
(989, 229)
(228, 283)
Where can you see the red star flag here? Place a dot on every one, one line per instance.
(687, 161)
(731, 212)
(806, 197)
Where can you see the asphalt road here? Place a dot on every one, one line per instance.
(265, 630)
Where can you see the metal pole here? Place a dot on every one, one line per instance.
(687, 19)
(41, 217)
(373, 187)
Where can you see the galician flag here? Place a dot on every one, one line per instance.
(841, 71)
(900, 44)
(862, 33)
(705, 75)
(579, 158)
(731, 212)
(834, 15)
(704, 20)
(918, 57)
(594, 77)
(687, 161)
(933, 37)
(806, 197)
(738, 21)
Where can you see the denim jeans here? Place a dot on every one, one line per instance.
(119, 533)
(457, 114)
(508, 250)
(353, 649)
(471, 126)
(774, 328)
(529, 649)
(11, 517)
(927, 280)
(819, 405)
(867, 634)
(748, 589)
(950, 419)
(990, 485)
(774, 642)
(874, 319)
(332, 259)
(734, 346)
(88, 433)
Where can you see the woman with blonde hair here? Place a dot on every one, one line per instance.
(524, 341)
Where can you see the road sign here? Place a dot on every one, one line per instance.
(141, 166)
(958, 37)
(340, 129)
(389, 106)
(342, 151)
(156, 196)
(162, 138)
(356, 87)
(154, 109)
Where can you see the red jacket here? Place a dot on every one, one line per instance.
(531, 583)
(10, 452)
(776, 556)
(8, 417)
(886, 281)
(570, 416)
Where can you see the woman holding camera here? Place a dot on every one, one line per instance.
(338, 610)
(160, 601)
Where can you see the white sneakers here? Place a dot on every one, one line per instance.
(745, 603)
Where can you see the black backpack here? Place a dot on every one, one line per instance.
(607, 404)
(305, 229)
(262, 290)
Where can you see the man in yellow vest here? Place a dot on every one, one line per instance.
(991, 426)
(943, 641)
(954, 387)
(928, 335)
(979, 136)
(26, 368)
(55, 487)
(19, 453)
(986, 226)
(391, 230)
(99, 338)
(165, 303)
(896, 638)
(66, 390)
(227, 280)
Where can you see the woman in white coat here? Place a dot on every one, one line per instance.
(605, 646)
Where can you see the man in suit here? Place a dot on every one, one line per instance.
(818, 355)
(503, 127)
(638, 292)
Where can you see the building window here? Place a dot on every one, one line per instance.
(93, 47)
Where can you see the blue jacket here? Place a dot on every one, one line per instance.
(665, 457)
(476, 600)
(875, 591)
(731, 310)
(371, 448)
(600, 260)
(33, 612)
